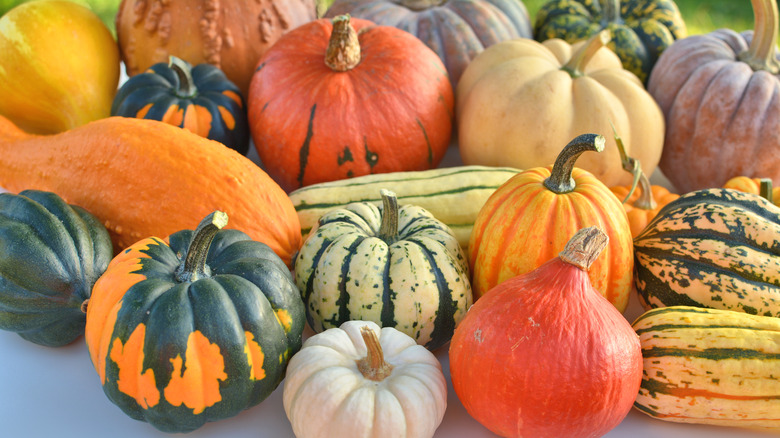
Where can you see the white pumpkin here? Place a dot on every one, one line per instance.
(358, 380)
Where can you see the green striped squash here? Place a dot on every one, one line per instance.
(710, 366)
(715, 248)
(641, 29)
(396, 266)
(453, 195)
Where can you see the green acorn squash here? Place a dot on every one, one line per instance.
(194, 331)
(200, 99)
(398, 267)
(712, 248)
(51, 254)
(641, 29)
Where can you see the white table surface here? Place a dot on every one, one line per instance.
(55, 392)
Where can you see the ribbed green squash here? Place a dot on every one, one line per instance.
(196, 331)
(398, 267)
(710, 366)
(641, 29)
(200, 99)
(716, 248)
(51, 254)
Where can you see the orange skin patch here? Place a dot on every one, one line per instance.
(230, 122)
(233, 96)
(141, 114)
(106, 300)
(197, 386)
(285, 319)
(256, 356)
(133, 381)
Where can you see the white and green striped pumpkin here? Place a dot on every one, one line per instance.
(398, 267)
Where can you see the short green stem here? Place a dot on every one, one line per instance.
(194, 267)
(388, 230)
(580, 59)
(611, 12)
(765, 189)
(183, 70)
(560, 179)
(761, 54)
(343, 48)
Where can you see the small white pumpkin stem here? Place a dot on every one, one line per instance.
(580, 59)
(373, 366)
(343, 48)
(584, 247)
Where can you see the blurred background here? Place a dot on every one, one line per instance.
(701, 16)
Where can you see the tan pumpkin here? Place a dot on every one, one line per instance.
(519, 101)
(229, 34)
(719, 94)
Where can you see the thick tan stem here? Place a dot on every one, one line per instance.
(343, 48)
(584, 247)
(580, 59)
(373, 366)
(761, 55)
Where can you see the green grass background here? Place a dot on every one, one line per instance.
(701, 16)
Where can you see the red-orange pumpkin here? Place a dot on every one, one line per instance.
(545, 355)
(335, 100)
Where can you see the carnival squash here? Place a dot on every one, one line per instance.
(529, 219)
(336, 100)
(456, 30)
(520, 100)
(193, 331)
(716, 248)
(398, 267)
(641, 29)
(51, 254)
(710, 366)
(59, 66)
(718, 93)
(388, 386)
(545, 355)
(229, 34)
(199, 99)
(145, 177)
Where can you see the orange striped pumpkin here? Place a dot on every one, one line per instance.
(529, 219)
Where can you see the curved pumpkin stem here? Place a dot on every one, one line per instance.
(761, 55)
(765, 190)
(580, 59)
(388, 230)
(183, 70)
(630, 164)
(343, 48)
(560, 180)
(373, 366)
(584, 247)
(193, 267)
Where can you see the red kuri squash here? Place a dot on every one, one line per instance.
(333, 100)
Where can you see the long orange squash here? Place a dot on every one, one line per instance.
(146, 178)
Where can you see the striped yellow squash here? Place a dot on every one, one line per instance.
(715, 248)
(453, 195)
(710, 366)
(397, 267)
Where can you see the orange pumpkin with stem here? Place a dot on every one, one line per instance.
(529, 219)
(753, 185)
(644, 204)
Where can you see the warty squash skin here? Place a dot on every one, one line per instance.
(326, 105)
(518, 101)
(710, 366)
(144, 178)
(229, 34)
(457, 30)
(716, 248)
(718, 93)
(193, 331)
(51, 254)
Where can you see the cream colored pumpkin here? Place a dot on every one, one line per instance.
(338, 387)
(519, 101)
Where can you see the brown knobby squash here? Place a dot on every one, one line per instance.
(144, 178)
(718, 93)
(229, 34)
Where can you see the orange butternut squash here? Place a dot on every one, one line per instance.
(146, 178)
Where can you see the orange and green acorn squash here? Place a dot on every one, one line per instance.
(193, 332)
